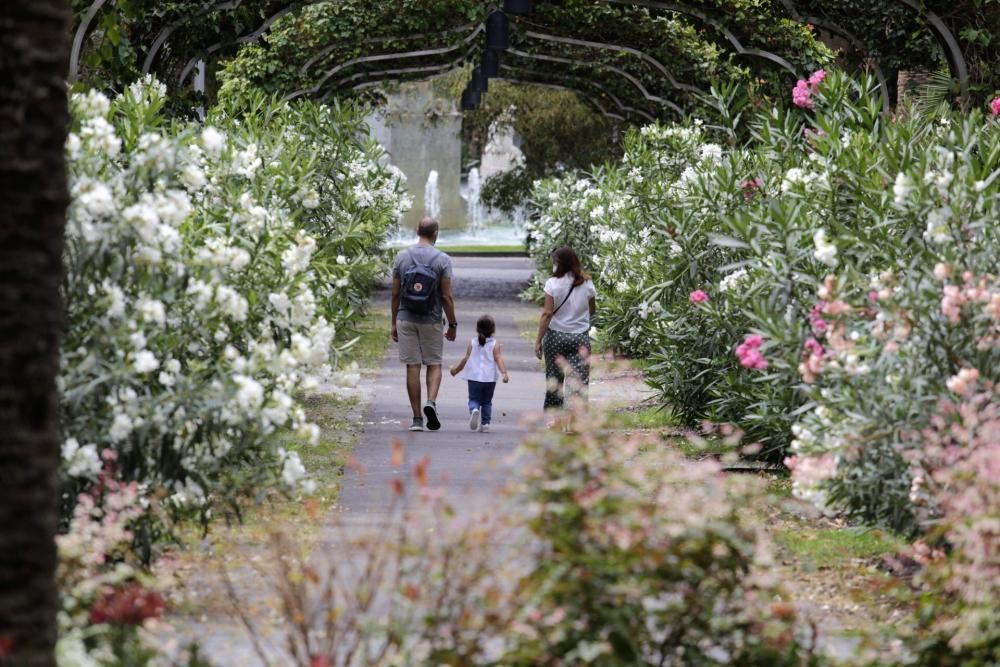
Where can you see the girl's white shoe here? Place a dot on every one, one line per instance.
(474, 420)
(485, 428)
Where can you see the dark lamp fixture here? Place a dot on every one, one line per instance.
(517, 6)
(497, 31)
(490, 63)
(470, 100)
(480, 83)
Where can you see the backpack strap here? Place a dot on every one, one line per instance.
(568, 294)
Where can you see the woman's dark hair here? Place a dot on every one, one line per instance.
(566, 261)
(485, 327)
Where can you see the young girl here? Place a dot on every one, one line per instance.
(481, 367)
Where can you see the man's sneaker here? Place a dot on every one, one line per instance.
(430, 412)
(474, 419)
(485, 428)
(417, 425)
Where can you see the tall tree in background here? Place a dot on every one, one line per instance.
(33, 199)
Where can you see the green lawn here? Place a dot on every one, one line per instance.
(484, 249)
(825, 547)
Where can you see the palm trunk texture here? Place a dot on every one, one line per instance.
(33, 199)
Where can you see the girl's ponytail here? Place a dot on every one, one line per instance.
(485, 327)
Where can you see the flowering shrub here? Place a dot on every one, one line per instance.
(613, 552)
(850, 261)
(208, 272)
(956, 478)
(106, 596)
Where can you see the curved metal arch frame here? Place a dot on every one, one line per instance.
(242, 39)
(424, 69)
(645, 57)
(392, 74)
(543, 37)
(568, 61)
(952, 51)
(589, 98)
(166, 32)
(81, 33)
(942, 33)
(555, 86)
(382, 57)
(582, 82)
(726, 32)
(641, 88)
(374, 40)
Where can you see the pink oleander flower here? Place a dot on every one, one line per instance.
(816, 321)
(873, 296)
(964, 381)
(697, 297)
(812, 363)
(995, 106)
(952, 302)
(750, 187)
(802, 95)
(749, 354)
(942, 271)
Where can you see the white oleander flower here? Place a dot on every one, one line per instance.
(825, 252)
(145, 362)
(152, 310)
(99, 136)
(213, 141)
(292, 469)
(82, 461)
(902, 188)
(938, 230)
(121, 427)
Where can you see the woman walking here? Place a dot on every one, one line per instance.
(564, 328)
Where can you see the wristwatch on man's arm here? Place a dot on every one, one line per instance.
(452, 325)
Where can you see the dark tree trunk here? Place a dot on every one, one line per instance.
(33, 198)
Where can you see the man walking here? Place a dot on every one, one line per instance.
(421, 297)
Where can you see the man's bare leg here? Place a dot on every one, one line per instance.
(433, 382)
(413, 386)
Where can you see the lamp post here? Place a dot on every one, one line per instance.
(471, 99)
(480, 82)
(490, 63)
(497, 31)
(517, 6)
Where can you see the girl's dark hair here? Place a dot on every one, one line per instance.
(485, 327)
(567, 261)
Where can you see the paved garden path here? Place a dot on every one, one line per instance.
(474, 465)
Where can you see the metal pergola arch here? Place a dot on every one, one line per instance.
(428, 70)
(397, 74)
(940, 30)
(611, 68)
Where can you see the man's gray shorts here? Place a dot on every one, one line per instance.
(420, 344)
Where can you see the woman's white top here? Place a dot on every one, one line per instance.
(574, 316)
(481, 366)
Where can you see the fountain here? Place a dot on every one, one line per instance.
(422, 137)
(473, 202)
(432, 196)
